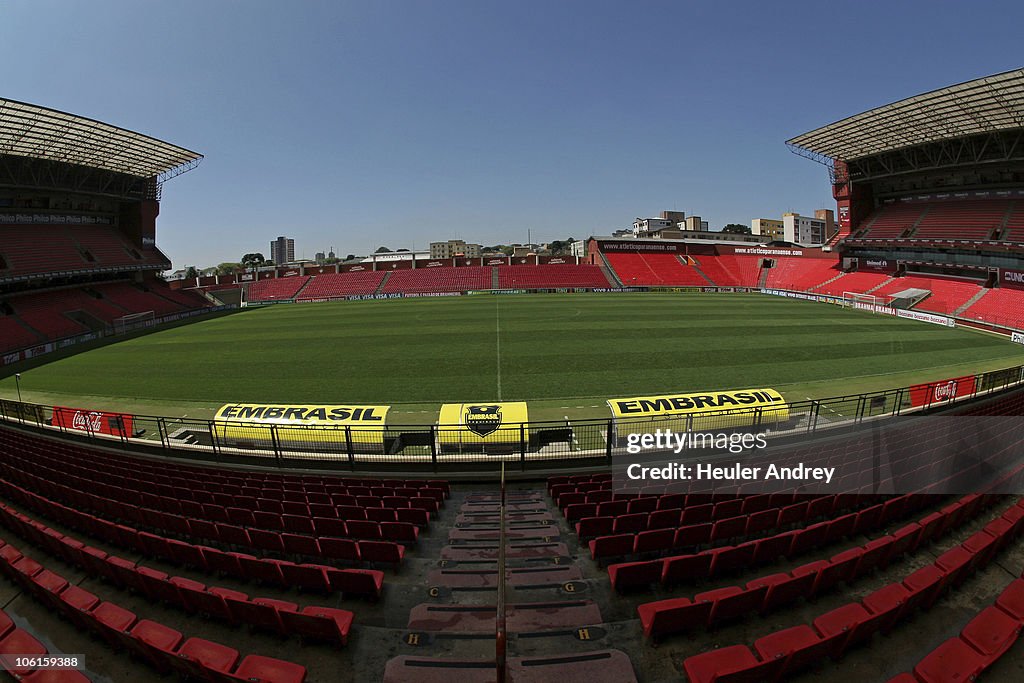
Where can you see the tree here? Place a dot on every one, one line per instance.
(737, 229)
(382, 250)
(228, 268)
(254, 260)
(191, 273)
(350, 257)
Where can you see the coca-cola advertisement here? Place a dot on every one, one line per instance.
(93, 421)
(939, 392)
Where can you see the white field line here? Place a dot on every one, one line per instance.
(497, 339)
(575, 442)
(829, 408)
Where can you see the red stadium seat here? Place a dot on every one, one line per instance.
(198, 656)
(954, 660)
(631, 575)
(319, 623)
(731, 665)
(991, 633)
(309, 577)
(732, 602)
(381, 551)
(366, 582)
(799, 646)
(269, 670)
(673, 616)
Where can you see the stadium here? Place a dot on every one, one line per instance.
(167, 512)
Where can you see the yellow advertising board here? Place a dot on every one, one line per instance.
(301, 424)
(481, 423)
(704, 410)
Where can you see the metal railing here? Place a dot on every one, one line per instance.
(437, 447)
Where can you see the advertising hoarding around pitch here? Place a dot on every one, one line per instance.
(703, 410)
(939, 392)
(93, 421)
(473, 424)
(301, 424)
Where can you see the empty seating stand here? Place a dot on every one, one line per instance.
(1004, 307)
(655, 269)
(329, 285)
(187, 299)
(314, 622)
(859, 282)
(47, 315)
(156, 645)
(785, 652)
(892, 220)
(273, 289)
(947, 294)
(731, 270)
(944, 219)
(132, 298)
(40, 249)
(986, 637)
(771, 592)
(551, 276)
(801, 274)
(292, 507)
(962, 219)
(14, 335)
(439, 279)
(1013, 231)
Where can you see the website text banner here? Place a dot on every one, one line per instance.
(901, 455)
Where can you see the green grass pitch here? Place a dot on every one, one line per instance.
(564, 353)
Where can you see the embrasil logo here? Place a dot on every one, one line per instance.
(684, 403)
(482, 420)
(497, 422)
(300, 413)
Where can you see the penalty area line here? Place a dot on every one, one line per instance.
(829, 408)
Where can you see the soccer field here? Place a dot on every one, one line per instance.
(564, 353)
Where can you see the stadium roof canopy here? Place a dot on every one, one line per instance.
(985, 105)
(27, 130)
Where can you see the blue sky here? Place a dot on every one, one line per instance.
(396, 123)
